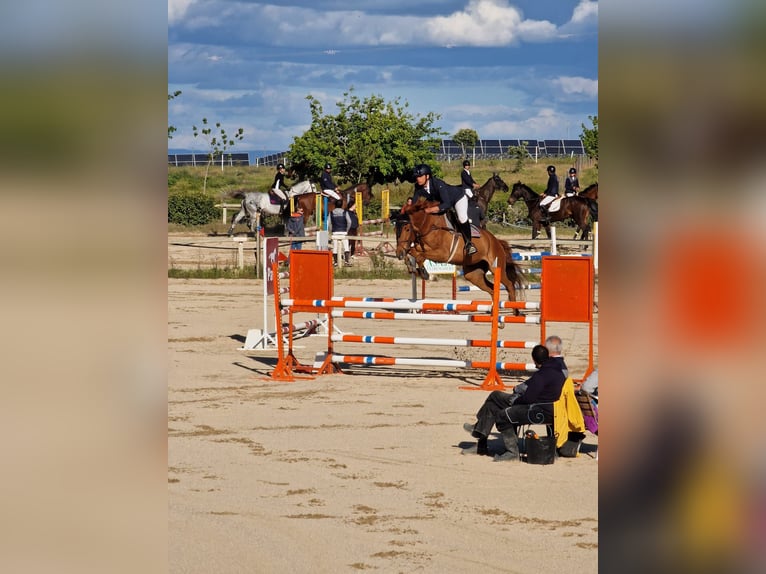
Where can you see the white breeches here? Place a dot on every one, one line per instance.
(331, 193)
(342, 237)
(547, 199)
(461, 208)
(280, 194)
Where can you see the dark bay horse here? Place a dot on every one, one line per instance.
(590, 192)
(308, 200)
(484, 194)
(429, 236)
(579, 209)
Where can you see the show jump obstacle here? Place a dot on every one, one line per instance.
(566, 296)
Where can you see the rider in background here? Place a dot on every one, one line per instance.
(551, 192)
(449, 196)
(466, 179)
(279, 183)
(340, 223)
(328, 185)
(572, 184)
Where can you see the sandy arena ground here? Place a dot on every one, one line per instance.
(360, 470)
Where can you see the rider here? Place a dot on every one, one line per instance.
(449, 196)
(572, 184)
(551, 192)
(279, 183)
(328, 185)
(467, 180)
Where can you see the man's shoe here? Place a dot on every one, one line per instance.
(470, 248)
(479, 448)
(470, 429)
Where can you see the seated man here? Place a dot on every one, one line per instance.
(508, 410)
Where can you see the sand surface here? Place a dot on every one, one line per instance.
(361, 470)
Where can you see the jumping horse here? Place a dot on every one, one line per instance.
(579, 209)
(484, 194)
(430, 236)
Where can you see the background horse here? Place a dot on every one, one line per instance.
(484, 195)
(429, 236)
(253, 202)
(308, 200)
(576, 208)
(590, 192)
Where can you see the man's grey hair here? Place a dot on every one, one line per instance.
(555, 345)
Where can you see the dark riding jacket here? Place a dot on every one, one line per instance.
(571, 186)
(467, 179)
(553, 185)
(279, 182)
(327, 182)
(447, 195)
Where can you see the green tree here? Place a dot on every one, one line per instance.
(467, 138)
(589, 138)
(218, 143)
(368, 140)
(518, 153)
(172, 129)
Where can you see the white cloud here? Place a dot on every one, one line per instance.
(585, 12)
(578, 86)
(177, 9)
(487, 23)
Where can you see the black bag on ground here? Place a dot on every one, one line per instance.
(541, 450)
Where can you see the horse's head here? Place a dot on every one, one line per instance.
(405, 236)
(517, 192)
(499, 183)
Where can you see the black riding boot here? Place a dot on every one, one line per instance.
(511, 445)
(544, 214)
(465, 229)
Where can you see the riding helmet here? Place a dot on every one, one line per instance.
(280, 166)
(421, 169)
(466, 163)
(551, 169)
(572, 170)
(327, 166)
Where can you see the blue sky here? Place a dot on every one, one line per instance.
(505, 68)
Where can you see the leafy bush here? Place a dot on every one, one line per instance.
(191, 209)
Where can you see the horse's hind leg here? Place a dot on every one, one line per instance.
(478, 277)
(235, 220)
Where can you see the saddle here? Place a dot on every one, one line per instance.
(274, 199)
(555, 205)
(452, 224)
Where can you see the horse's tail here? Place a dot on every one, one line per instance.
(236, 194)
(512, 269)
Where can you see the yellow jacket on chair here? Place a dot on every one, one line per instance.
(567, 415)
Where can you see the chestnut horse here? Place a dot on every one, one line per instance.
(430, 236)
(484, 194)
(579, 209)
(308, 200)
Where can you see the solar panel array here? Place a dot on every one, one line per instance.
(448, 150)
(201, 159)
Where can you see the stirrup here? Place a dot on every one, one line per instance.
(470, 248)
